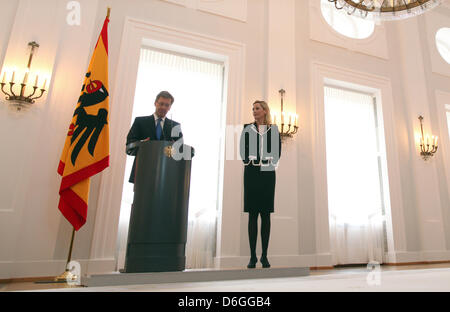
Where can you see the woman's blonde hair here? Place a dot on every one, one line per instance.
(266, 108)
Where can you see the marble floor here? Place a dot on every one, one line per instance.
(429, 277)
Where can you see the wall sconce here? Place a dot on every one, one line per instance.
(427, 148)
(20, 100)
(287, 130)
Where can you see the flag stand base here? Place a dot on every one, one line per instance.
(67, 276)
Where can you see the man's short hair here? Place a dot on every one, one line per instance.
(166, 95)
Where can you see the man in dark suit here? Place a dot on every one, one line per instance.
(154, 127)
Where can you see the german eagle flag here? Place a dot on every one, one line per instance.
(86, 150)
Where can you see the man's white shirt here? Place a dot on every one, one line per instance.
(156, 120)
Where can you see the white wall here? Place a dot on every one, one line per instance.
(279, 50)
(406, 64)
(34, 236)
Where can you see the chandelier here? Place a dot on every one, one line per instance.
(385, 9)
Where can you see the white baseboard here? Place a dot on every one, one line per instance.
(443, 255)
(31, 269)
(418, 256)
(6, 268)
(97, 266)
(325, 259)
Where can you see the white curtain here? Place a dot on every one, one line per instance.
(197, 86)
(354, 178)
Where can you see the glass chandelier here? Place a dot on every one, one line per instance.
(385, 10)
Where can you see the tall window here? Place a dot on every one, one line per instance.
(354, 175)
(197, 86)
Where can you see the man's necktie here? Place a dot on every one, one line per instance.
(158, 129)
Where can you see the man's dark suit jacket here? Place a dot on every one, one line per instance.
(144, 127)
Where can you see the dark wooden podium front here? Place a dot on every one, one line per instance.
(158, 222)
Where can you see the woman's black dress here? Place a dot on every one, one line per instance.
(260, 153)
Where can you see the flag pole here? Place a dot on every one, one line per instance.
(68, 275)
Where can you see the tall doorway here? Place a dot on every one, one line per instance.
(356, 177)
(197, 85)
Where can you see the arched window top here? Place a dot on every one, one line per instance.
(443, 43)
(347, 25)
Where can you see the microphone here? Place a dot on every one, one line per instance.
(170, 132)
(171, 126)
(131, 149)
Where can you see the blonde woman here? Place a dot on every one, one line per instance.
(260, 148)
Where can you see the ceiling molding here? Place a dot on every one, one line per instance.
(232, 9)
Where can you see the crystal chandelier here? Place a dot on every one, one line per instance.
(385, 9)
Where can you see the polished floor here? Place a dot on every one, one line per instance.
(424, 277)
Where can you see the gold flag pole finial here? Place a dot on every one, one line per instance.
(109, 13)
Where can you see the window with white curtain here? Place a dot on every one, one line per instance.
(197, 86)
(354, 176)
(345, 24)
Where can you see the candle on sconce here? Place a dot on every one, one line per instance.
(282, 118)
(25, 78)
(24, 90)
(427, 147)
(274, 119)
(45, 84)
(290, 117)
(296, 120)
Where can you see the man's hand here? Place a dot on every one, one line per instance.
(145, 140)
